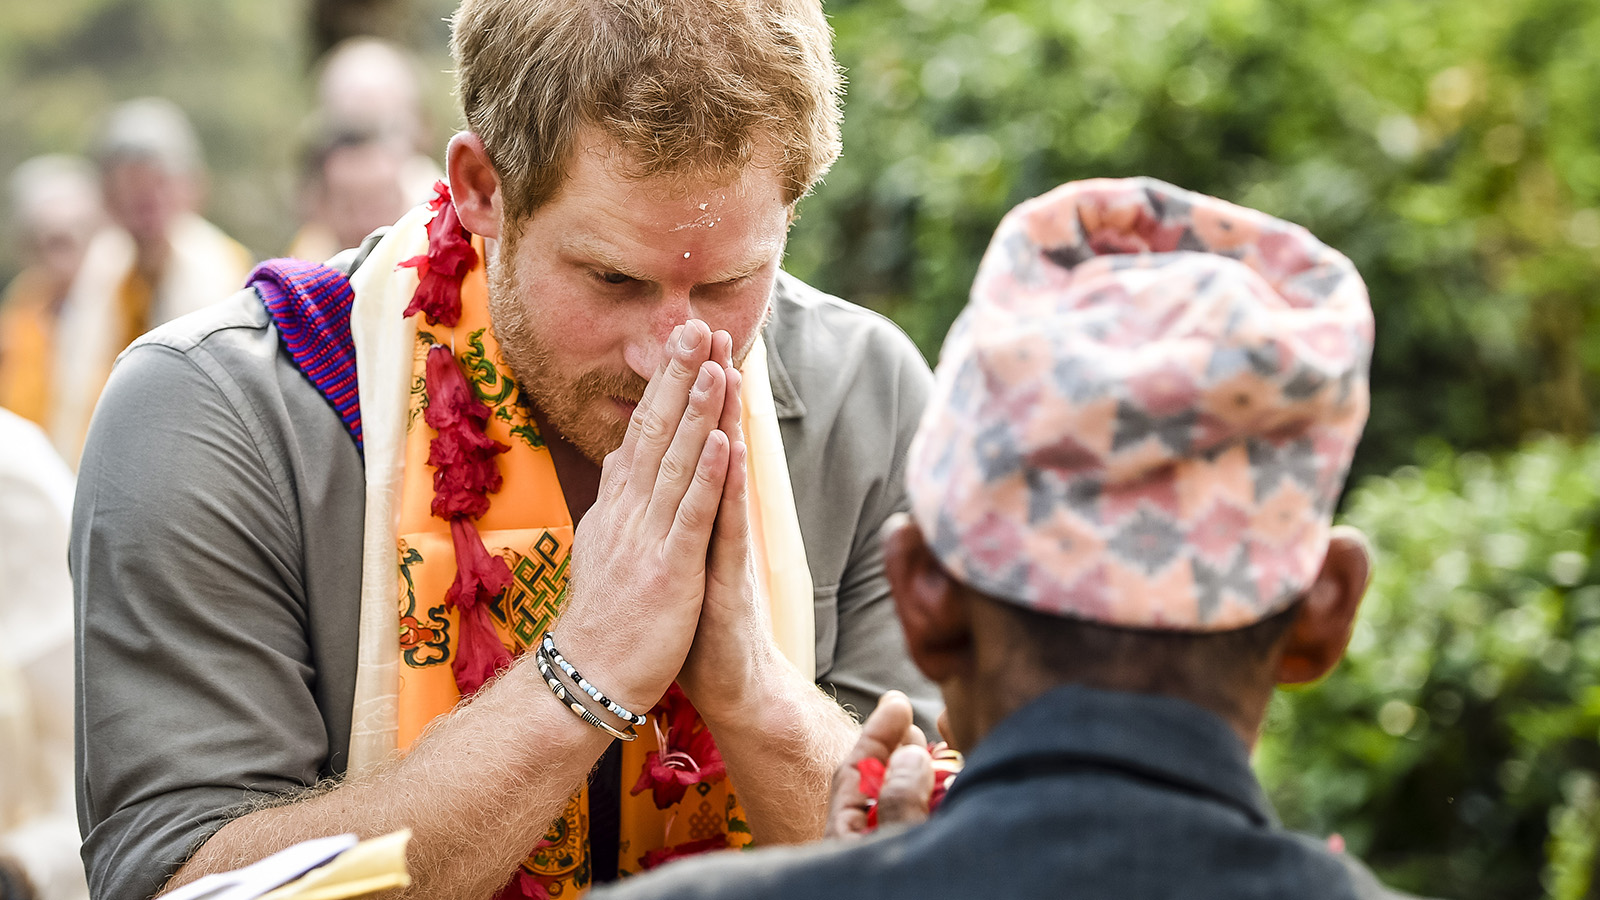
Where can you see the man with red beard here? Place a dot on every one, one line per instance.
(535, 525)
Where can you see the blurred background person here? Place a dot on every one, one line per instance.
(55, 210)
(38, 822)
(365, 81)
(159, 261)
(353, 181)
(369, 157)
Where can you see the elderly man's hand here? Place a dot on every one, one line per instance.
(639, 555)
(889, 737)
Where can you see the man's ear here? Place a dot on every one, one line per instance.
(1321, 628)
(933, 607)
(474, 185)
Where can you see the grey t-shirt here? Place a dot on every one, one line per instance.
(216, 549)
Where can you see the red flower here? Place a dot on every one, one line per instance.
(524, 885)
(463, 457)
(941, 786)
(480, 578)
(464, 478)
(688, 754)
(871, 783)
(946, 765)
(451, 400)
(480, 575)
(661, 855)
(450, 256)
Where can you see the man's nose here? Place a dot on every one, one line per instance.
(645, 354)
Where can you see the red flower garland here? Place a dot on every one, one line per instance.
(449, 258)
(462, 454)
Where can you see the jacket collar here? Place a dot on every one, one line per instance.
(785, 399)
(1140, 736)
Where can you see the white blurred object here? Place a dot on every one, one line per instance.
(330, 868)
(38, 822)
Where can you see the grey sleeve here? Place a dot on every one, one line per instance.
(870, 656)
(193, 674)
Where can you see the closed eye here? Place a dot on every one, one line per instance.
(612, 278)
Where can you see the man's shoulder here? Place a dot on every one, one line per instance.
(238, 319)
(228, 350)
(807, 322)
(831, 358)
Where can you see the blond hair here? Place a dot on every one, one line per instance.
(682, 86)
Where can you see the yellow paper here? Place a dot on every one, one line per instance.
(371, 866)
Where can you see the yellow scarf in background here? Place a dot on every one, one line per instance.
(27, 347)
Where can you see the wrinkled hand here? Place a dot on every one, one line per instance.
(889, 736)
(639, 555)
(734, 633)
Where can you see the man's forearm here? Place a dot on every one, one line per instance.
(478, 790)
(781, 754)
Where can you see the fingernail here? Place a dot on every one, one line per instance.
(674, 340)
(687, 338)
(703, 383)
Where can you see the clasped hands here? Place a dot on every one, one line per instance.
(662, 577)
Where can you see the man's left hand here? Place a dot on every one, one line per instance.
(734, 633)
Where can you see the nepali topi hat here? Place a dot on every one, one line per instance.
(1146, 412)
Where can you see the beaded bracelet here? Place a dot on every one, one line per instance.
(560, 691)
(548, 645)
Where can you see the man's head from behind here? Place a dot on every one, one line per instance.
(1126, 475)
(637, 163)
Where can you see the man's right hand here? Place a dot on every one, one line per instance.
(639, 555)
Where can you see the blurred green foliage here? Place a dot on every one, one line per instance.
(1451, 150)
(1455, 748)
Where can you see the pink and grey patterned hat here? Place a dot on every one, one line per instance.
(1145, 414)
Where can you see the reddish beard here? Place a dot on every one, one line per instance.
(578, 405)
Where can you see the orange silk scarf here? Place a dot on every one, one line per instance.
(528, 526)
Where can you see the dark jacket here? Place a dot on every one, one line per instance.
(1081, 794)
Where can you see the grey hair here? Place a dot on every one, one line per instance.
(150, 129)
